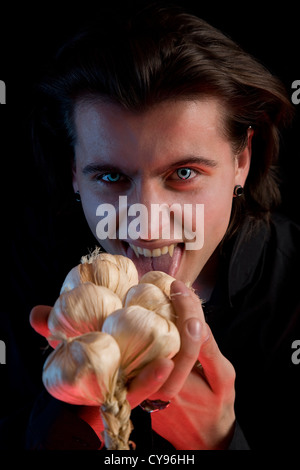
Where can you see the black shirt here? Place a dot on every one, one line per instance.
(253, 313)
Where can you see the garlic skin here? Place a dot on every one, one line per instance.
(124, 263)
(81, 310)
(72, 280)
(150, 297)
(83, 370)
(159, 279)
(103, 272)
(116, 272)
(142, 336)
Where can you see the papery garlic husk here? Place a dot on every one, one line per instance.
(116, 272)
(124, 263)
(72, 280)
(108, 274)
(83, 370)
(81, 310)
(142, 336)
(159, 279)
(151, 297)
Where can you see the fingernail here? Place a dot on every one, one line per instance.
(194, 328)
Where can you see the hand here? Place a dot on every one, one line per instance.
(201, 413)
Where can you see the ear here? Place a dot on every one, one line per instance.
(243, 160)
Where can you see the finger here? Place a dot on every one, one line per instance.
(149, 380)
(38, 319)
(218, 371)
(186, 303)
(192, 328)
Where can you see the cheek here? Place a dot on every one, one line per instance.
(89, 206)
(217, 202)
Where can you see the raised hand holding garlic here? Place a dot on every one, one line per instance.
(104, 345)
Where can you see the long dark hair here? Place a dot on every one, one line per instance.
(159, 54)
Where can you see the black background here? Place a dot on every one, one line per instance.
(31, 34)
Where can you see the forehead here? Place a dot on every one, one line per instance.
(97, 114)
(169, 129)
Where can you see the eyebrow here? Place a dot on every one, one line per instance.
(99, 168)
(202, 161)
(93, 168)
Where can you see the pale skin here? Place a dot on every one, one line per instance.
(149, 150)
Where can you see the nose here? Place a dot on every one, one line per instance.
(147, 210)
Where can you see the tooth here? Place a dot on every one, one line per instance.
(164, 250)
(135, 251)
(153, 253)
(171, 250)
(156, 252)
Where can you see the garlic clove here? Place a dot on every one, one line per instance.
(72, 280)
(81, 310)
(124, 263)
(151, 297)
(142, 336)
(84, 370)
(116, 272)
(159, 279)
(127, 265)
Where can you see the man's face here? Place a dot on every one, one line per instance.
(173, 153)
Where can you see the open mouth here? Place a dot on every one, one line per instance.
(164, 258)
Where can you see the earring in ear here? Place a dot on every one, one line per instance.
(77, 196)
(238, 190)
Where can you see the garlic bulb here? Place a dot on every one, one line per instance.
(83, 370)
(159, 279)
(142, 336)
(116, 272)
(81, 310)
(150, 297)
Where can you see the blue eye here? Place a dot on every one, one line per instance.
(184, 173)
(111, 177)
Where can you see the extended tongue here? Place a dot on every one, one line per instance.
(164, 263)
